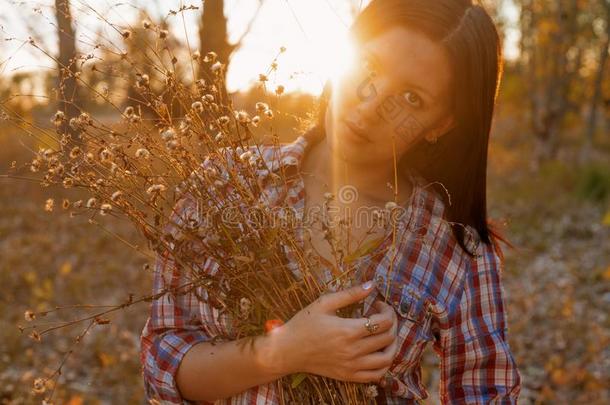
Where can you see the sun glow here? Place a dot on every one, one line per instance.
(343, 58)
(315, 34)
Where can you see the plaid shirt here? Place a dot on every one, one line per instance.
(441, 295)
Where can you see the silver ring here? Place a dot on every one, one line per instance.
(372, 328)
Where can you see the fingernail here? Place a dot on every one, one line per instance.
(368, 285)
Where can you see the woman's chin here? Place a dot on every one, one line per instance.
(351, 150)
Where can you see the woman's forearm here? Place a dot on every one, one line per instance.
(212, 372)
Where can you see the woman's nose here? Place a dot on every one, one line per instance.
(370, 94)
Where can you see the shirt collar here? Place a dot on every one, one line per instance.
(424, 199)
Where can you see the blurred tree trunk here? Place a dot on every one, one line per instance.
(67, 87)
(213, 35)
(597, 88)
(552, 56)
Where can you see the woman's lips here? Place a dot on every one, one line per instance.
(356, 131)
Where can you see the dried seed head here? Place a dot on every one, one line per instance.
(48, 205)
(34, 335)
(105, 209)
(242, 116)
(126, 34)
(68, 182)
(245, 305)
(85, 119)
(210, 57)
(129, 111)
(142, 153)
(116, 195)
(146, 24)
(196, 55)
(210, 172)
(105, 155)
(245, 156)
(262, 78)
(269, 114)
(371, 391)
(256, 120)
(173, 144)
(35, 165)
(65, 204)
(163, 34)
(58, 118)
(262, 107)
(39, 386)
(75, 152)
(390, 205)
(47, 153)
(217, 67)
(224, 120)
(168, 134)
(279, 90)
(142, 80)
(29, 315)
(197, 106)
(156, 188)
(91, 203)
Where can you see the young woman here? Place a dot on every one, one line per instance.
(410, 126)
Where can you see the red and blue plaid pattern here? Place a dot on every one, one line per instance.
(441, 294)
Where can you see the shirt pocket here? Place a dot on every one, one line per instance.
(414, 308)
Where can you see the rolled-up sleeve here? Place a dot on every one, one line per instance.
(477, 365)
(173, 328)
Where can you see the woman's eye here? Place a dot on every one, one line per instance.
(413, 99)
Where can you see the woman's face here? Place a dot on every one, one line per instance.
(399, 92)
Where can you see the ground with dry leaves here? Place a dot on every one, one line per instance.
(557, 283)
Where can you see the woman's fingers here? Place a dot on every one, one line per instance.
(330, 302)
(381, 306)
(384, 322)
(374, 343)
(366, 376)
(377, 360)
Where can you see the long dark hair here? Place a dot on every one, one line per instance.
(458, 160)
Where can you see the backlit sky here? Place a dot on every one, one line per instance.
(313, 31)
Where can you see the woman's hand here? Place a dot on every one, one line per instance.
(317, 341)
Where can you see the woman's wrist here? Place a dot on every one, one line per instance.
(276, 355)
